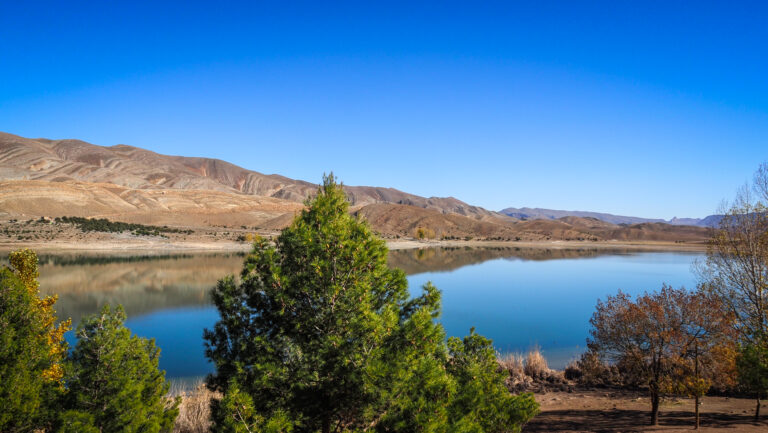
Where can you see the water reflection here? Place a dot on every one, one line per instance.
(147, 283)
(516, 296)
(142, 284)
(417, 261)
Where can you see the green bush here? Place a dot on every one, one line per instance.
(113, 380)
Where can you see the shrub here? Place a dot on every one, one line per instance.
(194, 411)
(535, 364)
(482, 402)
(113, 379)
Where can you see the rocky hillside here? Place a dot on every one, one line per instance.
(41, 177)
(132, 167)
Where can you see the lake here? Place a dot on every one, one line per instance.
(519, 297)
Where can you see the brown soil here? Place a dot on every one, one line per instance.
(628, 411)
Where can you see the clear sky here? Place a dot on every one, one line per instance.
(646, 108)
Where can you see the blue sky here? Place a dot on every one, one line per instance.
(654, 109)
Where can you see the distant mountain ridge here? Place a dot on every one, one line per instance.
(527, 213)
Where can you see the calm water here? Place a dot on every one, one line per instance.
(517, 297)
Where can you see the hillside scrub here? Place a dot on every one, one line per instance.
(105, 225)
(321, 335)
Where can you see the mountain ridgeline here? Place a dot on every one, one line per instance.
(527, 213)
(55, 178)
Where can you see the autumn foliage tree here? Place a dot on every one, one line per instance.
(320, 334)
(671, 341)
(707, 349)
(25, 265)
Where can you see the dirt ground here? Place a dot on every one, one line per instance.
(625, 411)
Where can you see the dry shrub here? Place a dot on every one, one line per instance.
(194, 410)
(536, 365)
(511, 363)
(573, 370)
(593, 371)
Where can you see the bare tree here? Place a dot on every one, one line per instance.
(736, 268)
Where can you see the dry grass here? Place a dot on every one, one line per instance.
(536, 365)
(194, 410)
(512, 363)
(530, 372)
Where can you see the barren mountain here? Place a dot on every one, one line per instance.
(527, 213)
(132, 167)
(41, 177)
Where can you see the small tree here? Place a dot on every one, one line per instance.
(482, 402)
(752, 365)
(320, 335)
(660, 340)
(707, 349)
(113, 380)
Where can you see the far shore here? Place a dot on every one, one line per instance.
(163, 245)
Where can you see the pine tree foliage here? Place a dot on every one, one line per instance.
(752, 365)
(482, 403)
(23, 357)
(321, 330)
(113, 380)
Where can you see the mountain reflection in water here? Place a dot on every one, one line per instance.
(147, 283)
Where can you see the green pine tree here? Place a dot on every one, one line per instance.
(752, 367)
(113, 381)
(321, 331)
(482, 402)
(25, 391)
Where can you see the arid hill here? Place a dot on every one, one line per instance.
(132, 167)
(42, 177)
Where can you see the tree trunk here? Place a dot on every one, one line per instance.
(654, 408)
(757, 409)
(327, 424)
(696, 410)
(696, 401)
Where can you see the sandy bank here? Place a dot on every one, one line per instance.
(164, 245)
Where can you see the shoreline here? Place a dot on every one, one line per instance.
(155, 246)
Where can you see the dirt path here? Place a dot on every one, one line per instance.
(620, 411)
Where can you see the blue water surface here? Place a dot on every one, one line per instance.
(518, 303)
